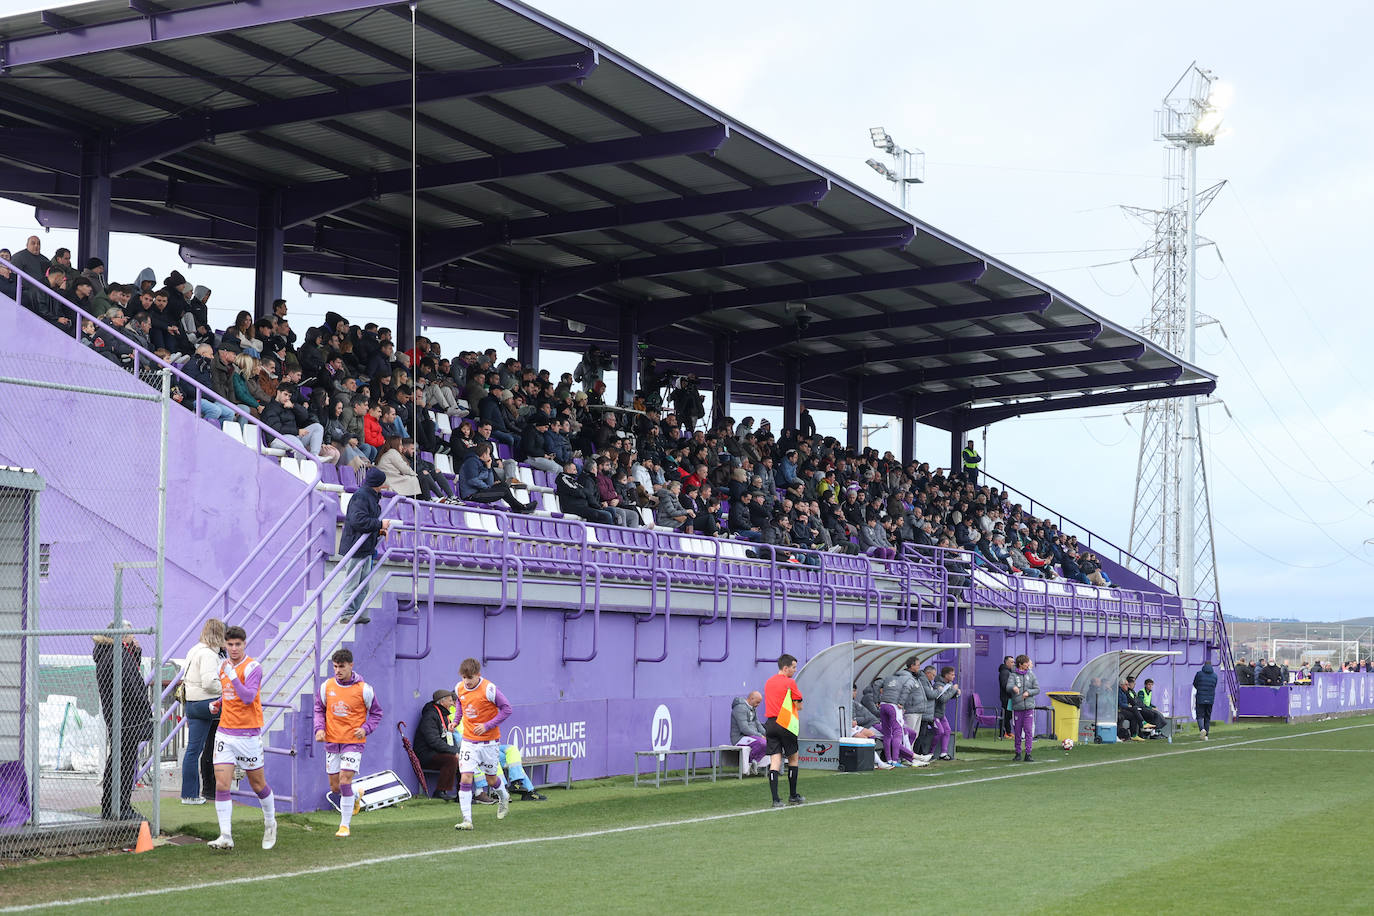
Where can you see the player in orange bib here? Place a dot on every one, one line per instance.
(239, 739)
(481, 708)
(346, 712)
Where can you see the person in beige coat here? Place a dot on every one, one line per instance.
(400, 476)
(201, 681)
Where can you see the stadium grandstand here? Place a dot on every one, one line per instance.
(621, 553)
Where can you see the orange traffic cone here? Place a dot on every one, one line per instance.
(145, 839)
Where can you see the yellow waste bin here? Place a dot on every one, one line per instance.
(1065, 704)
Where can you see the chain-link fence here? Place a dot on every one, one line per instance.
(82, 542)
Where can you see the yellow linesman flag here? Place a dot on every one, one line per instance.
(787, 716)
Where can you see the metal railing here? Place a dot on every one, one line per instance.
(1091, 540)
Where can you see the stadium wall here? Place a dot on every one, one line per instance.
(99, 458)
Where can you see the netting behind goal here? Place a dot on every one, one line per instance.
(1333, 652)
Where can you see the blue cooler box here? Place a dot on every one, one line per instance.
(1106, 732)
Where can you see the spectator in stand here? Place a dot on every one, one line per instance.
(477, 482)
(747, 731)
(30, 260)
(1038, 563)
(534, 447)
(610, 497)
(110, 339)
(199, 368)
(873, 539)
(1270, 675)
(740, 523)
(1245, 673)
(285, 418)
(577, 496)
(247, 391)
(400, 476)
(46, 302)
(8, 278)
(671, 513)
(1092, 569)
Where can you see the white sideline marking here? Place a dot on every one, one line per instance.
(1300, 750)
(635, 828)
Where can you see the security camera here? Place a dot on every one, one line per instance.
(803, 321)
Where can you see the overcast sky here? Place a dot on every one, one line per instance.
(1037, 123)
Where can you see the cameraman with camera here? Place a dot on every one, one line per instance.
(688, 402)
(593, 366)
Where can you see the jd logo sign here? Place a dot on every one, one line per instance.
(661, 735)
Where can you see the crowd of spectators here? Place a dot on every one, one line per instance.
(346, 393)
(1271, 672)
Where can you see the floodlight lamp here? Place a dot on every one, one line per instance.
(1209, 122)
(882, 169)
(881, 139)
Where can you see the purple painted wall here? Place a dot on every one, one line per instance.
(1336, 693)
(99, 458)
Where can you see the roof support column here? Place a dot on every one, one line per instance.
(93, 205)
(908, 419)
(791, 392)
(410, 286)
(722, 376)
(269, 254)
(527, 324)
(956, 443)
(854, 422)
(628, 366)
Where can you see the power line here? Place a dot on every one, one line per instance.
(1284, 369)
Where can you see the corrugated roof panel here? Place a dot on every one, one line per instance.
(472, 119)
(498, 26)
(100, 11)
(361, 157)
(617, 87)
(565, 118)
(83, 97)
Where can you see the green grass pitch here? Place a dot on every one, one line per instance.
(1261, 814)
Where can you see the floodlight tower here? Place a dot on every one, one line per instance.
(910, 163)
(1172, 510)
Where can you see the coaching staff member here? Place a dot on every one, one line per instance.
(781, 740)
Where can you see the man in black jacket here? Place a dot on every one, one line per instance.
(364, 523)
(1004, 671)
(136, 717)
(578, 497)
(435, 744)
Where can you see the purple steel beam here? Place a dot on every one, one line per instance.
(319, 198)
(153, 190)
(763, 341)
(988, 415)
(453, 244)
(582, 279)
(168, 26)
(295, 262)
(42, 148)
(944, 400)
(670, 311)
(144, 143)
(385, 290)
(818, 367)
(180, 228)
(877, 386)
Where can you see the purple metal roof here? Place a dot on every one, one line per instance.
(543, 154)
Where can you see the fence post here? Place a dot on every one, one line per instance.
(165, 432)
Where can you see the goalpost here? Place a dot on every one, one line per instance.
(1329, 651)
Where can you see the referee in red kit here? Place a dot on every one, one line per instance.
(781, 696)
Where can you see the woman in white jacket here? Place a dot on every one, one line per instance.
(201, 680)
